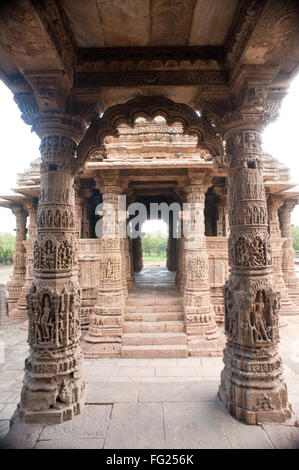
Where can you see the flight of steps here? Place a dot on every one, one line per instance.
(154, 326)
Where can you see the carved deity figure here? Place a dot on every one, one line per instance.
(259, 320)
(109, 269)
(45, 320)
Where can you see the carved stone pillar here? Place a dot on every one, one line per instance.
(171, 253)
(79, 203)
(288, 252)
(123, 249)
(137, 254)
(105, 331)
(28, 245)
(15, 285)
(180, 279)
(204, 337)
(53, 389)
(222, 222)
(129, 265)
(286, 305)
(252, 386)
(86, 212)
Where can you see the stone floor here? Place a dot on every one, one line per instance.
(145, 403)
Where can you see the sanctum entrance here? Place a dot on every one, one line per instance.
(171, 179)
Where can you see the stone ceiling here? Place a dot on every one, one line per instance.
(123, 23)
(109, 51)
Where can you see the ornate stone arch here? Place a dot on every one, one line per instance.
(148, 107)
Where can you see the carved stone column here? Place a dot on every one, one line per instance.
(180, 279)
(53, 389)
(137, 254)
(222, 222)
(252, 385)
(171, 253)
(123, 249)
(28, 245)
(129, 266)
(15, 285)
(204, 337)
(288, 256)
(286, 305)
(86, 212)
(105, 331)
(79, 203)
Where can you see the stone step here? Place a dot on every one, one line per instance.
(155, 351)
(153, 317)
(153, 308)
(152, 300)
(136, 339)
(154, 327)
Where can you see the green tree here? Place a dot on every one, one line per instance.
(154, 245)
(7, 247)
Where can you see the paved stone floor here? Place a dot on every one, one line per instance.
(145, 403)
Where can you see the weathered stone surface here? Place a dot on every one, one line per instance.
(136, 426)
(92, 423)
(112, 393)
(70, 444)
(240, 435)
(21, 435)
(281, 436)
(193, 426)
(203, 391)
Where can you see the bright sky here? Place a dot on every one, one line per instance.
(19, 146)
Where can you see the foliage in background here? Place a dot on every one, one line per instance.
(154, 245)
(7, 247)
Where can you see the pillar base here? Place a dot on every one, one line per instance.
(263, 411)
(52, 416)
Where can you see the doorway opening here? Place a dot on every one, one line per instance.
(154, 243)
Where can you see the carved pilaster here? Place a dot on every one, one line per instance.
(105, 331)
(53, 389)
(252, 385)
(15, 284)
(137, 254)
(171, 253)
(28, 245)
(286, 305)
(222, 221)
(204, 337)
(288, 252)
